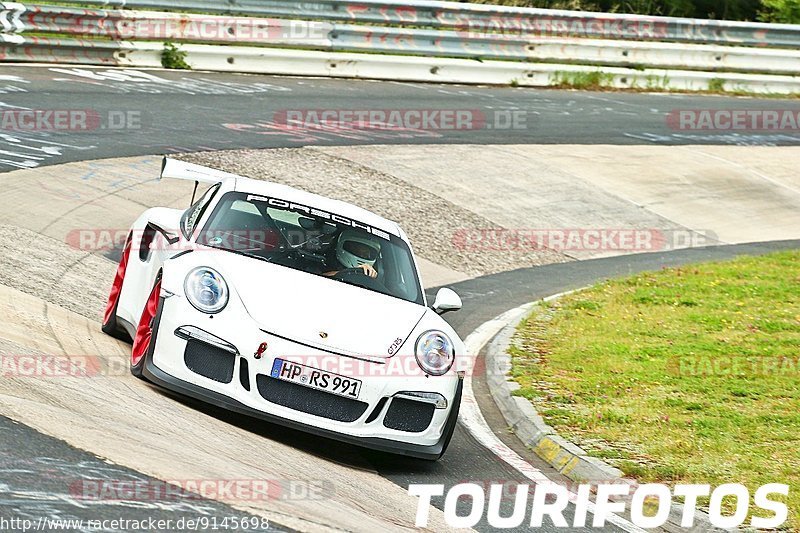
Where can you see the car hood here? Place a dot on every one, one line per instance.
(317, 311)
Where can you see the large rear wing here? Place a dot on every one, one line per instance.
(172, 168)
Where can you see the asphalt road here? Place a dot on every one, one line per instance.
(160, 112)
(45, 483)
(38, 472)
(141, 113)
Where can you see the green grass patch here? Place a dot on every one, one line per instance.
(173, 57)
(684, 375)
(716, 85)
(588, 80)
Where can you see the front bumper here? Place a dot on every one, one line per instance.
(167, 368)
(432, 452)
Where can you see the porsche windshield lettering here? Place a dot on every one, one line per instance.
(312, 211)
(314, 241)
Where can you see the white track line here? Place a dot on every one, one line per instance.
(472, 418)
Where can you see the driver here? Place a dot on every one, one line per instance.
(356, 250)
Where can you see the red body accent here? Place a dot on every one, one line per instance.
(116, 288)
(144, 332)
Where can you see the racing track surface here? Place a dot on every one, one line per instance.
(34, 478)
(177, 115)
(169, 111)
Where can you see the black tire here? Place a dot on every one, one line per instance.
(113, 329)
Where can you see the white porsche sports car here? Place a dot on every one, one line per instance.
(298, 309)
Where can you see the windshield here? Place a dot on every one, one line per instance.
(313, 241)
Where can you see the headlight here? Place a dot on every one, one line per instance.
(206, 290)
(435, 352)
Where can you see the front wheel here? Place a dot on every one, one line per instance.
(145, 341)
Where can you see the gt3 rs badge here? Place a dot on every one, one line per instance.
(395, 346)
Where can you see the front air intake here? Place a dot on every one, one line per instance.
(209, 361)
(409, 415)
(308, 400)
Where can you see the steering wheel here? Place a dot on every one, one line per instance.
(356, 276)
(348, 273)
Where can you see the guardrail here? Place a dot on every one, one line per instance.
(487, 18)
(17, 49)
(645, 63)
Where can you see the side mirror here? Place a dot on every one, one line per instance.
(446, 300)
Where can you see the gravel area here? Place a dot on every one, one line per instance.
(51, 270)
(433, 224)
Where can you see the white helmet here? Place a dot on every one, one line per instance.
(355, 248)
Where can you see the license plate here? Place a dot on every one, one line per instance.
(315, 378)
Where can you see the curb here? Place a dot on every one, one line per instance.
(525, 422)
(569, 459)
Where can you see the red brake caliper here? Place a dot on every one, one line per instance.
(145, 330)
(116, 288)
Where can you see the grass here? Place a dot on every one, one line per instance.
(588, 80)
(684, 375)
(173, 57)
(716, 85)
